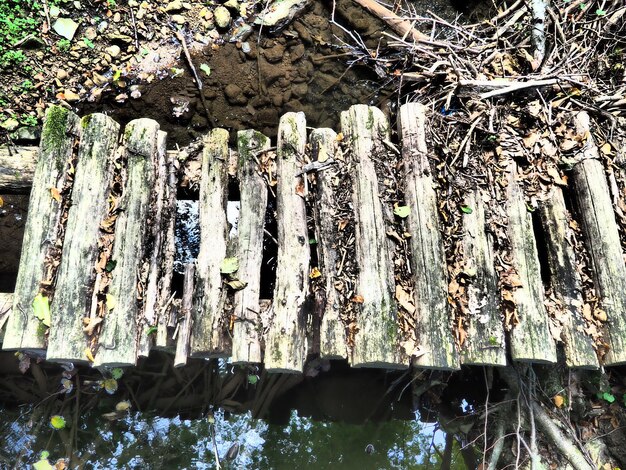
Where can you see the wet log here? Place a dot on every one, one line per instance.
(530, 338)
(43, 231)
(428, 262)
(285, 347)
(377, 342)
(602, 241)
(565, 281)
(17, 169)
(207, 333)
(169, 251)
(333, 339)
(253, 203)
(76, 277)
(124, 325)
(184, 331)
(485, 343)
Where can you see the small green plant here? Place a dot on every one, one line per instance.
(63, 45)
(28, 120)
(10, 58)
(89, 43)
(27, 85)
(111, 4)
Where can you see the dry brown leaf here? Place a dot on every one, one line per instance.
(556, 177)
(91, 324)
(558, 401)
(606, 149)
(342, 224)
(315, 273)
(56, 195)
(600, 315)
(568, 144)
(108, 224)
(358, 299)
(1, 201)
(404, 299)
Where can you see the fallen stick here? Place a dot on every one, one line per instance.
(402, 27)
(519, 86)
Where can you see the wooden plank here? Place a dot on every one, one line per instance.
(75, 281)
(184, 333)
(565, 281)
(531, 340)
(163, 340)
(377, 340)
(485, 343)
(124, 324)
(602, 240)
(285, 347)
(253, 203)
(42, 240)
(428, 261)
(333, 341)
(208, 338)
(17, 169)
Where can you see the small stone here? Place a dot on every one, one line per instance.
(27, 134)
(222, 17)
(117, 17)
(65, 27)
(90, 33)
(174, 6)
(232, 4)
(234, 94)
(274, 54)
(300, 90)
(187, 6)
(113, 50)
(100, 80)
(245, 47)
(178, 19)
(10, 124)
(70, 96)
(62, 74)
(103, 26)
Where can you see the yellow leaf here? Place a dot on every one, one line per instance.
(606, 149)
(57, 422)
(1, 201)
(558, 401)
(88, 355)
(358, 299)
(315, 273)
(122, 406)
(339, 137)
(56, 195)
(110, 385)
(111, 301)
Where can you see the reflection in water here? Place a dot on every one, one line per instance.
(140, 441)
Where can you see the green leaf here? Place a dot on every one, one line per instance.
(111, 301)
(606, 396)
(206, 69)
(110, 385)
(110, 266)
(152, 330)
(44, 454)
(466, 209)
(88, 43)
(57, 422)
(117, 373)
(253, 379)
(402, 211)
(229, 265)
(43, 464)
(41, 309)
(600, 12)
(312, 241)
(116, 75)
(236, 284)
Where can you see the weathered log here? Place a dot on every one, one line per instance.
(6, 304)
(76, 278)
(485, 343)
(531, 340)
(433, 323)
(124, 323)
(17, 169)
(41, 245)
(377, 342)
(207, 333)
(184, 331)
(285, 347)
(565, 281)
(332, 330)
(602, 240)
(169, 252)
(253, 203)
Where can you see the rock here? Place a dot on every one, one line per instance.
(113, 50)
(27, 134)
(300, 90)
(10, 124)
(100, 80)
(275, 53)
(103, 26)
(90, 33)
(65, 27)
(232, 4)
(222, 17)
(235, 95)
(178, 19)
(280, 13)
(245, 47)
(70, 96)
(174, 6)
(62, 74)
(297, 52)
(241, 33)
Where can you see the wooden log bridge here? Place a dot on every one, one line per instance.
(359, 274)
